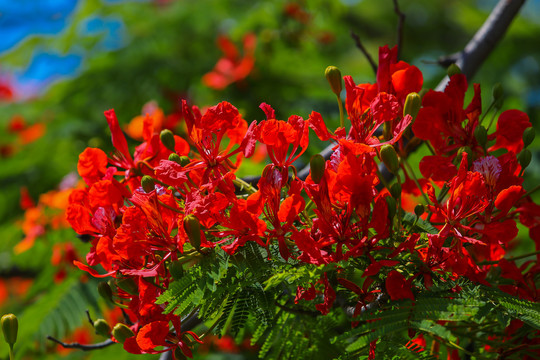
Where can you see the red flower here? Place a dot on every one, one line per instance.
(207, 132)
(443, 121)
(398, 287)
(510, 128)
(231, 67)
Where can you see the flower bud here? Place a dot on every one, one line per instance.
(524, 158)
(193, 230)
(333, 75)
(391, 203)
(10, 327)
(167, 139)
(412, 105)
(528, 136)
(128, 285)
(497, 92)
(104, 289)
(419, 210)
(317, 165)
(452, 70)
(147, 183)
(480, 134)
(395, 190)
(389, 158)
(121, 332)
(176, 158)
(101, 326)
(184, 160)
(176, 269)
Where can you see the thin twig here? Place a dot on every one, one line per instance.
(89, 318)
(83, 347)
(126, 317)
(401, 21)
(364, 51)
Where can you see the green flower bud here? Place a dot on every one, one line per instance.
(193, 230)
(391, 203)
(412, 105)
(102, 328)
(528, 136)
(480, 134)
(419, 210)
(390, 158)
(10, 327)
(453, 70)
(497, 92)
(317, 165)
(176, 269)
(148, 184)
(524, 158)
(128, 285)
(104, 289)
(167, 139)
(176, 158)
(184, 160)
(395, 190)
(121, 332)
(333, 75)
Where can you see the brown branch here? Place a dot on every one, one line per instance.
(485, 40)
(359, 45)
(83, 347)
(401, 21)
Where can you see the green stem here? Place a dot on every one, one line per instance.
(341, 116)
(11, 356)
(169, 207)
(244, 185)
(431, 149)
(485, 113)
(399, 209)
(491, 121)
(413, 176)
(530, 192)
(382, 179)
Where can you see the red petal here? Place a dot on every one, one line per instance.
(118, 138)
(437, 168)
(398, 287)
(508, 197)
(152, 335)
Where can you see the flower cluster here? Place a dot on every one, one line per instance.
(175, 200)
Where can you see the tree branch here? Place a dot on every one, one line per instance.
(97, 346)
(359, 45)
(484, 41)
(166, 356)
(401, 21)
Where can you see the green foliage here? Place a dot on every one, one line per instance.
(56, 313)
(248, 294)
(469, 308)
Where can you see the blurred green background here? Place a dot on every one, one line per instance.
(62, 63)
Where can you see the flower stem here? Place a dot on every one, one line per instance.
(244, 185)
(413, 176)
(341, 115)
